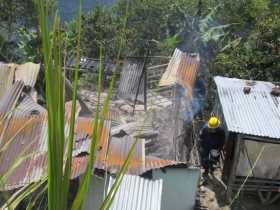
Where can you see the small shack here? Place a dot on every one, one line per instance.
(166, 188)
(250, 111)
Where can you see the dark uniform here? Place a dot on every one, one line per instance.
(210, 139)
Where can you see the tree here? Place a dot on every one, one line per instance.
(153, 24)
(19, 39)
(252, 48)
(17, 13)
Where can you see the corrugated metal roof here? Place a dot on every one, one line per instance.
(111, 154)
(137, 193)
(181, 69)
(27, 73)
(256, 113)
(24, 138)
(83, 136)
(114, 163)
(80, 163)
(129, 81)
(23, 129)
(27, 127)
(7, 77)
(152, 162)
(118, 152)
(9, 100)
(139, 164)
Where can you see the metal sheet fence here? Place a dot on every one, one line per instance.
(131, 79)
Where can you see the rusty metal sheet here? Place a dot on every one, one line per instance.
(113, 152)
(79, 166)
(156, 163)
(182, 69)
(111, 156)
(28, 129)
(8, 103)
(7, 77)
(24, 143)
(27, 73)
(83, 136)
(151, 163)
(118, 151)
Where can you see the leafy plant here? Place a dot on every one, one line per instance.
(251, 49)
(59, 179)
(59, 165)
(28, 45)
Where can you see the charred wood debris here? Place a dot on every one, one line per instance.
(152, 101)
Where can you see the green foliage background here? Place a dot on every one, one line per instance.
(238, 38)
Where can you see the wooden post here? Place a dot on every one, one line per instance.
(138, 89)
(143, 76)
(176, 104)
(145, 89)
(235, 160)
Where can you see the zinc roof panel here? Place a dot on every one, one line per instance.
(137, 193)
(256, 113)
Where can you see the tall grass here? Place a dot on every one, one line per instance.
(58, 177)
(60, 148)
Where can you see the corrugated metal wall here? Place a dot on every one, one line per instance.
(130, 79)
(179, 187)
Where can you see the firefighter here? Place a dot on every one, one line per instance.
(212, 139)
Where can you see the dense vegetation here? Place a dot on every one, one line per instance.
(238, 38)
(235, 38)
(15, 41)
(59, 142)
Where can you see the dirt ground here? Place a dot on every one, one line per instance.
(212, 197)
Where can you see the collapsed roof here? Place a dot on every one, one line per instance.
(182, 69)
(23, 129)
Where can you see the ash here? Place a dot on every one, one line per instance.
(167, 134)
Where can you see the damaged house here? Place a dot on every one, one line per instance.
(145, 99)
(251, 115)
(162, 163)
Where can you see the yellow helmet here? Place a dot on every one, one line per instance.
(214, 122)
